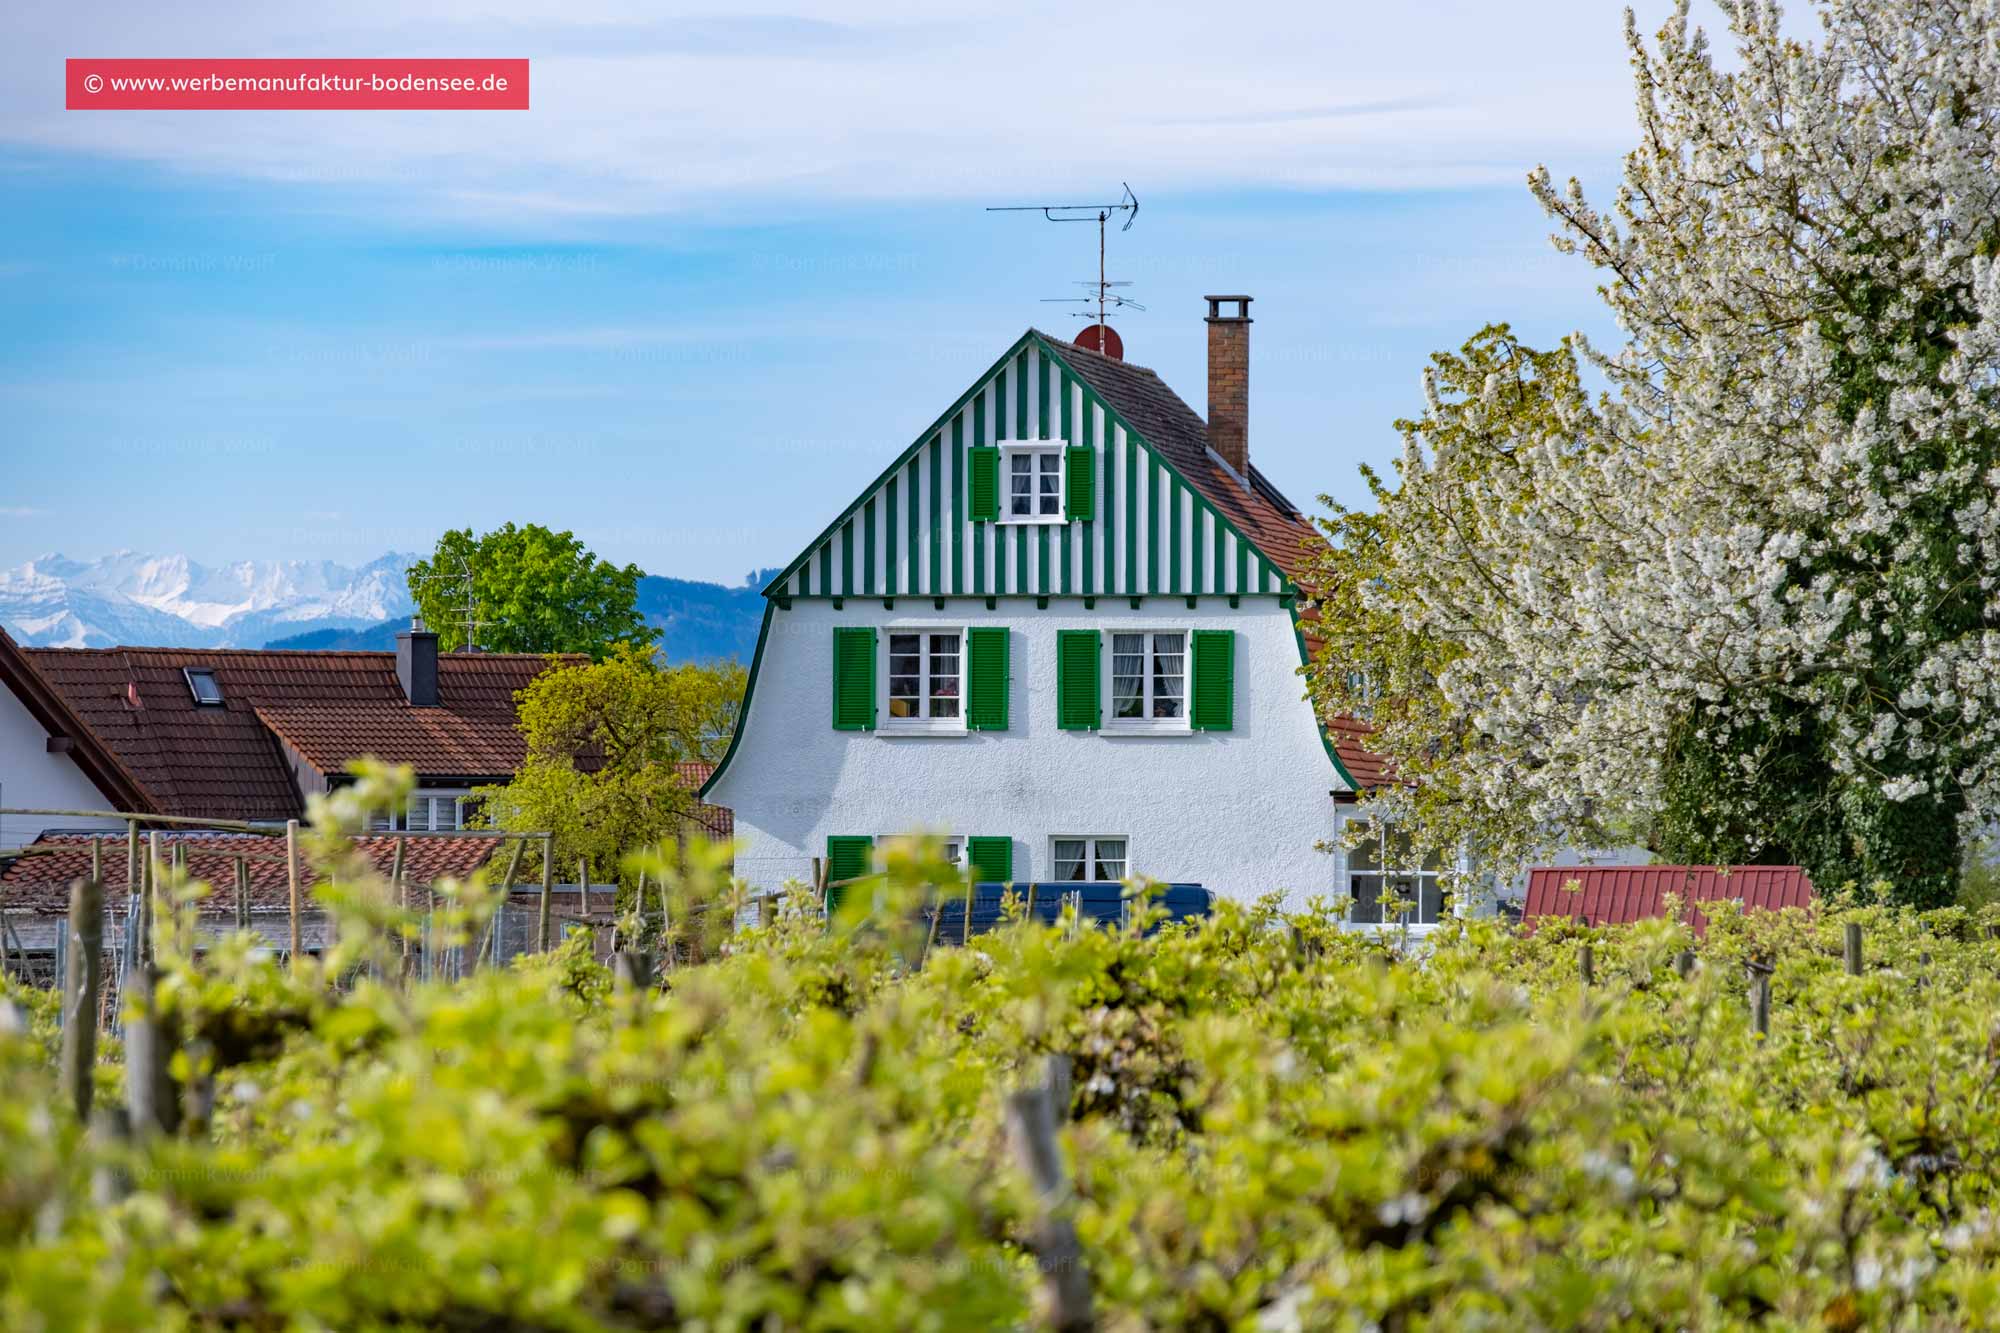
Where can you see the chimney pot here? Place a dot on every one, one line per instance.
(1229, 381)
(417, 666)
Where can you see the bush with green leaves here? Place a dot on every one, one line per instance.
(1274, 1123)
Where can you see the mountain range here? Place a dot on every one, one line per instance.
(172, 601)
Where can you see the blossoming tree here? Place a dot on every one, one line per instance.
(1746, 599)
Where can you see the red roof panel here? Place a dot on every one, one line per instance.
(1616, 895)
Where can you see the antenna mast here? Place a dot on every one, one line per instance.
(469, 607)
(1103, 297)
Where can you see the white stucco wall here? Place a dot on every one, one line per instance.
(1238, 811)
(32, 778)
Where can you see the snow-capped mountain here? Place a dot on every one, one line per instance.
(170, 601)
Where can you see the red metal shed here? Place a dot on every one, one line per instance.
(1612, 895)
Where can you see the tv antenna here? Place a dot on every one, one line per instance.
(469, 607)
(1104, 298)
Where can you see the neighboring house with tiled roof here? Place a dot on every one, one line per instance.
(1060, 629)
(34, 887)
(50, 759)
(250, 734)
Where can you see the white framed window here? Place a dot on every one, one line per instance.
(1384, 864)
(1149, 677)
(432, 811)
(1096, 859)
(925, 679)
(1031, 482)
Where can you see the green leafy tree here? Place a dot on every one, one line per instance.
(531, 591)
(606, 741)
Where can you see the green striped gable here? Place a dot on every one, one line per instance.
(911, 534)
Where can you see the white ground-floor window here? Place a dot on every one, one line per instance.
(1384, 865)
(1092, 858)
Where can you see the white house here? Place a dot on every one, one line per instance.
(1059, 629)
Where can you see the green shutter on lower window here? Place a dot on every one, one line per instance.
(846, 858)
(982, 483)
(1214, 680)
(854, 678)
(991, 859)
(986, 678)
(1079, 482)
(1077, 706)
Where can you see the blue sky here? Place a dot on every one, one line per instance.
(689, 327)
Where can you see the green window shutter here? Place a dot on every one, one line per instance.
(986, 678)
(1079, 478)
(846, 858)
(991, 859)
(982, 483)
(1076, 679)
(854, 678)
(1214, 706)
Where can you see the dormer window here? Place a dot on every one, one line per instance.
(203, 685)
(1034, 482)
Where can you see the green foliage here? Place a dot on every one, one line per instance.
(533, 590)
(604, 741)
(1273, 1122)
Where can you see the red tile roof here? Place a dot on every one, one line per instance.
(1259, 510)
(120, 788)
(1612, 895)
(712, 821)
(1273, 524)
(432, 740)
(227, 761)
(38, 883)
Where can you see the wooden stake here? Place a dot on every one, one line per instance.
(1760, 1004)
(149, 906)
(1851, 948)
(1587, 962)
(1031, 1131)
(242, 894)
(149, 1083)
(82, 980)
(292, 884)
(548, 891)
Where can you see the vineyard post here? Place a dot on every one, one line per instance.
(1587, 963)
(1031, 1130)
(149, 907)
(548, 890)
(292, 885)
(149, 1085)
(965, 925)
(83, 976)
(1851, 948)
(583, 900)
(666, 924)
(1060, 1069)
(1760, 1004)
(506, 893)
(242, 894)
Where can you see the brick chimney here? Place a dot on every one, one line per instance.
(417, 664)
(1229, 381)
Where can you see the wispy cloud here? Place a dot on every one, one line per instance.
(638, 114)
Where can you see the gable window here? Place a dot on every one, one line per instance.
(1093, 859)
(926, 680)
(1034, 482)
(1149, 679)
(203, 685)
(1384, 864)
